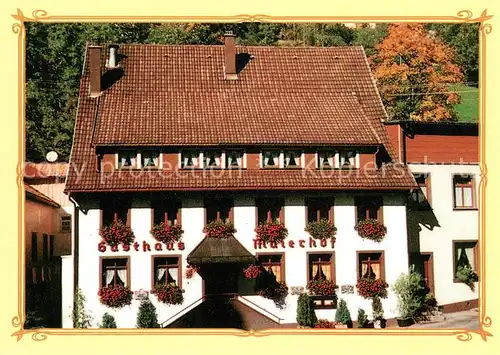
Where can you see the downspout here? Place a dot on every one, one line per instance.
(75, 248)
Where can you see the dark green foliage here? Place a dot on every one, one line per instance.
(377, 308)
(108, 321)
(342, 315)
(147, 317)
(362, 318)
(306, 316)
(369, 37)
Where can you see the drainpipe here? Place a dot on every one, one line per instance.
(75, 246)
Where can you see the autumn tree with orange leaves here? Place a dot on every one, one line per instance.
(413, 71)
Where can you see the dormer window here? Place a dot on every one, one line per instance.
(293, 159)
(347, 159)
(189, 159)
(127, 159)
(270, 159)
(212, 159)
(150, 159)
(326, 159)
(234, 159)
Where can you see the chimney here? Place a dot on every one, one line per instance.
(230, 56)
(111, 62)
(95, 70)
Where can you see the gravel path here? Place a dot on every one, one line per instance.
(461, 320)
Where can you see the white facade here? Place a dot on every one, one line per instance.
(394, 246)
(449, 225)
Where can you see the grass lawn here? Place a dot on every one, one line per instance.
(468, 109)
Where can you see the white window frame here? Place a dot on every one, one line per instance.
(280, 158)
(139, 157)
(321, 151)
(300, 161)
(243, 158)
(356, 158)
(202, 160)
(137, 162)
(197, 164)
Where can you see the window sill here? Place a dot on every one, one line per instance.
(465, 208)
(457, 281)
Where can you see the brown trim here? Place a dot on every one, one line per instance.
(179, 266)
(474, 249)
(382, 261)
(333, 270)
(380, 211)
(430, 270)
(318, 202)
(101, 258)
(51, 247)
(460, 306)
(282, 263)
(45, 247)
(214, 203)
(34, 247)
(473, 193)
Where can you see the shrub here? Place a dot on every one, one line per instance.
(362, 318)
(371, 229)
(369, 287)
(322, 287)
(411, 292)
(117, 233)
(108, 321)
(219, 229)
(322, 229)
(271, 232)
(165, 233)
(168, 294)
(342, 315)
(323, 323)
(306, 316)
(115, 296)
(146, 316)
(81, 319)
(466, 275)
(377, 308)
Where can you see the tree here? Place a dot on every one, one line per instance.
(342, 315)
(146, 316)
(369, 37)
(306, 316)
(413, 71)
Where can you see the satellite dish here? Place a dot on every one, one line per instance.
(51, 156)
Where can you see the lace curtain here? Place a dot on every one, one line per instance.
(270, 159)
(326, 159)
(321, 271)
(371, 270)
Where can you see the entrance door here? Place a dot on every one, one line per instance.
(220, 278)
(424, 265)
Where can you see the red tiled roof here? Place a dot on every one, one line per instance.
(177, 95)
(45, 170)
(34, 194)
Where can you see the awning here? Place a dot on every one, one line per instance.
(220, 250)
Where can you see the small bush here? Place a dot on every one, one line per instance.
(377, 308)
(362, 318)
(108, 321)
(343, 315)
(411, 292)
(466, 275)
(146, 316)
(306, 316)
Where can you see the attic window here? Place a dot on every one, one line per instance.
(326, 159)
(150, 159)
(189, 159)
(127, 159)
(293, 159)
(234, 159)
(212, 159)
(347, 160)
(270, 159)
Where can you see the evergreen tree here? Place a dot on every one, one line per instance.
(342, 315)
(108, 321)
(146, 316)
(306, 316)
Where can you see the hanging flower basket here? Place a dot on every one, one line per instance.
(115, 296)
(165, 233)
(369, 287)
(117, 233)
(169, 294)
(219, 229)
(252, 272)
(322, 287)
(277, 292)
(371, 229)
(271, 232)
(321, 230)
(323, 323)
(190, 271)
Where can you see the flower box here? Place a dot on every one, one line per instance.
(271, 232)
(219, 229)
(322, 287)
(369, 288)
(117, 233)
(322, 230)
(165, 233)
(324, 324)
(371, 229)
(324, 301)
(168, 294)
(115, 296)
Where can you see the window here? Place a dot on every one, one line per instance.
(167, 211)
(45, 244)
(212, 159)
(326, 159)
(463, 186)
(368, 208)
(51, 247)
(115, 271)
(464, 254)
(34, 247)
(270, 159)
(347, 160)
(66, 224)
(318, 209)
(320, 267)
(293, 159)
(115, 210)
(189, 159)
(219, 210)
(274, 265)
(150, 159)
(166, 270)
(270, 210)
(371, 264)
(234, 159)
(422, 194)
(127, 159)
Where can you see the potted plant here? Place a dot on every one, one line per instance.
(369, 287)
(343, 316)
(115, 296)
(168, 293)
(324, 323)
(270, 232)
(166, 233)
(117, 233)
(108, 321)
(252, 272)
(371, 229)
(219, 229)
(378, 313)
(306, 317)
(362, 318)
(466, 275)
(411, 293)
(322, 287)
(147, 316)
(321, 230)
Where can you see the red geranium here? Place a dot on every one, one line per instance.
(219, 229)
(371, 229)
(252, 271)
(190, 271)
(168, 294)
(369, 287)
(322, 287)
(115, 296)
(323, 323)
(271, 232)
(117, 233)
(165, 233)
